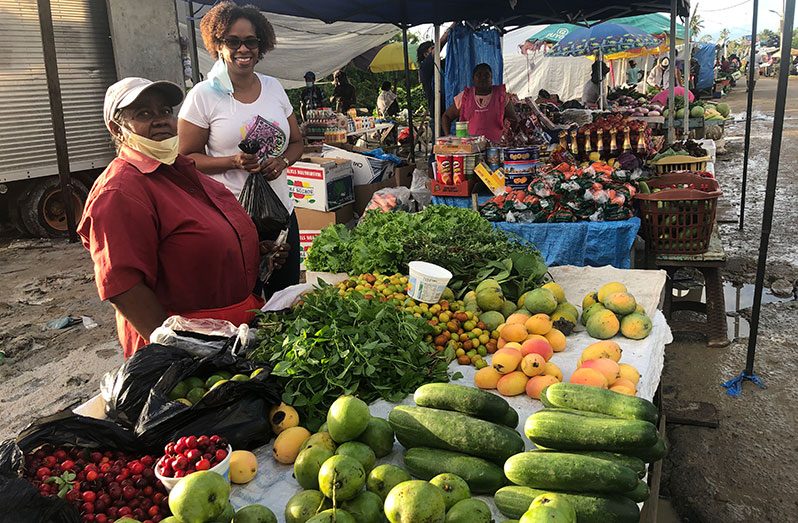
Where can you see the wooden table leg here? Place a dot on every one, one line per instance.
(717, 330)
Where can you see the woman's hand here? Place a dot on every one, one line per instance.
(273, 167)
(247, 162)
(279, 253)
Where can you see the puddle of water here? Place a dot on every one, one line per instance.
(739, 297)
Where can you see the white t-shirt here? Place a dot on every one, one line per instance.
(230, 121)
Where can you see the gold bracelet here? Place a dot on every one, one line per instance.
(287, 163)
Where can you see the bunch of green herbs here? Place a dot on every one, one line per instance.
(460, 240)
(331, 345)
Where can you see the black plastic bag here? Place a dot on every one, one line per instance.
(236, 410)
(19, 500)
(126, 389)
(261, 202)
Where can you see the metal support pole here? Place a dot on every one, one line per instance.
(645, 73)
(409, 98)
(192, 44)
(601, 79)
(57, 113)
(686, 77)
(752, 71)
(437, 106)
(770, 188)
(672, 76)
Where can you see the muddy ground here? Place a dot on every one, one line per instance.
(741, 471)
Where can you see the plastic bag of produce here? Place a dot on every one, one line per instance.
(392, 199)
(261, 202)
(219, 394)
(420, 189)
(19, 500)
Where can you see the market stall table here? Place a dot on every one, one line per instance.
(274, 484)
(584, 243)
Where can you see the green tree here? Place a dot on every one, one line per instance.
(767, 35)
(795, 40)
(724, 34)
(707, 39)
(696, 25)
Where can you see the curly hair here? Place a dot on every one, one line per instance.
(217, 22)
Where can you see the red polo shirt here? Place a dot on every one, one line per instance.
(180, 232)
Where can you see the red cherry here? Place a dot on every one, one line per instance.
(67, 464)
(112, 512)
(147, 461)
(180, 463)
(203, 441)
(180, 473)
(124, 511)
(59, 454)
(88, 518)
(105, 467)
(50, 461)
(169, 449)
(88, 508)
(215, 439)
(193, 454)
(136, 467)
(96, 456)
(91, 475)
(101, 518)
(43, 473)
(203, 464)
(181, 441)
(147, 491)
(89, 496)
(153, 511)
(191, 442)
(221, 454)
(180, 448)
(128, 493)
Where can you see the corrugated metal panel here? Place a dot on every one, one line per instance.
(86, 69)
(26, 131)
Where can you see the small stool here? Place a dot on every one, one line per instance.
(709, 264)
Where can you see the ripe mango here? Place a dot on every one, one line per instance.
(630, 373)
(557, 290)
(533, 365)
(506, 361)
(492, 319)
(537, 344)
(602, 349)
(589, 377)
(621, 303)
(518, 317)
(508, 308)
(514, 332)
(538, 324)
(589, 299)
(287, 444)
(586, 313)
(490, 299)
(606, 366)
(556, 340)
(486, 378)
(610, 288)
(534, 387)
(551, 369)
(512, 384)
(603, 325)
(636, 326)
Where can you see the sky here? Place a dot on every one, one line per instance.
(734, 15)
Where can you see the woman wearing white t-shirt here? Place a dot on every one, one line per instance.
(236, 103)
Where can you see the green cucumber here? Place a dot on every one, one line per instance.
(640, 493)
(442, 429)
(514, 501)
(650, 454)
(636, 464)
(594, 399)
(483, 477)
(569, 472)
(459, 398)
(583, 413)
(511, 419)
(565, 431)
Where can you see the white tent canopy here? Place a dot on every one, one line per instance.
(304, 45)
(525, 75)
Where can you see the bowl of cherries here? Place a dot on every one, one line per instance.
(192, 454)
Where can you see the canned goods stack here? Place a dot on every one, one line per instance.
(521, 165)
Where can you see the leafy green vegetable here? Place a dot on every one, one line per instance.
(332, 345)
(458, 239)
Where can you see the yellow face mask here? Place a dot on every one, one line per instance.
(164, 151)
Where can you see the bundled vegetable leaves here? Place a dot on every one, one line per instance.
(457, 239)
(331, 345)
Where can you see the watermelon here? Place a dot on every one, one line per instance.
(697, 112)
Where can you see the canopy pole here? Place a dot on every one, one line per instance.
(686, 77)
(672, 76)
(192, 44)
(749, 107)
(437, 106)
(601, 78)
(409, 98)
(734, 386)
(645, 74)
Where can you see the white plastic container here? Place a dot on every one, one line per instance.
(427, 281)
(223, 469)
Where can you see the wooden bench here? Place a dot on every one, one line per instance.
(710, 265)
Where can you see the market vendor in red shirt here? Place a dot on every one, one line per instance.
(483, 105)
(165, 238)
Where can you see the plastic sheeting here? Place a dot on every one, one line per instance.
(304, 45)
(471, 48)
(525, 75)
(705, 54)
(584, 244)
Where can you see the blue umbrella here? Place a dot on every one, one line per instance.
(605, 38)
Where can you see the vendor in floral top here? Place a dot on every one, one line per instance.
(483, 105)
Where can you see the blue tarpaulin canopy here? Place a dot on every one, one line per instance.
(502, 13)
(705, 54)
(652, 23)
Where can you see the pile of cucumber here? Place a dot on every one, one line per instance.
(593, 448)
(460, 430)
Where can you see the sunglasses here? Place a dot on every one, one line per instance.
(234, 43)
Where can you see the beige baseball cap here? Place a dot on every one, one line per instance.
(126, 91)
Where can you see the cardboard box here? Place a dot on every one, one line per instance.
(366, 170)
(322, 184)
(461, 189)
(312, 222)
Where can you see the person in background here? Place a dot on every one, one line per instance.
(591, 93)
(633, 73)
(483, 105)
(695, 71)
(165, 239)
(344, 94)
(236, 103)
(311, 96)
(425, 61)
(545, 97)
(387, 104)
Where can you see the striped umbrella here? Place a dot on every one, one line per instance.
(605, 38)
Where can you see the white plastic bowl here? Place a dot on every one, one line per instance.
(427, 281)
(222, 469)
